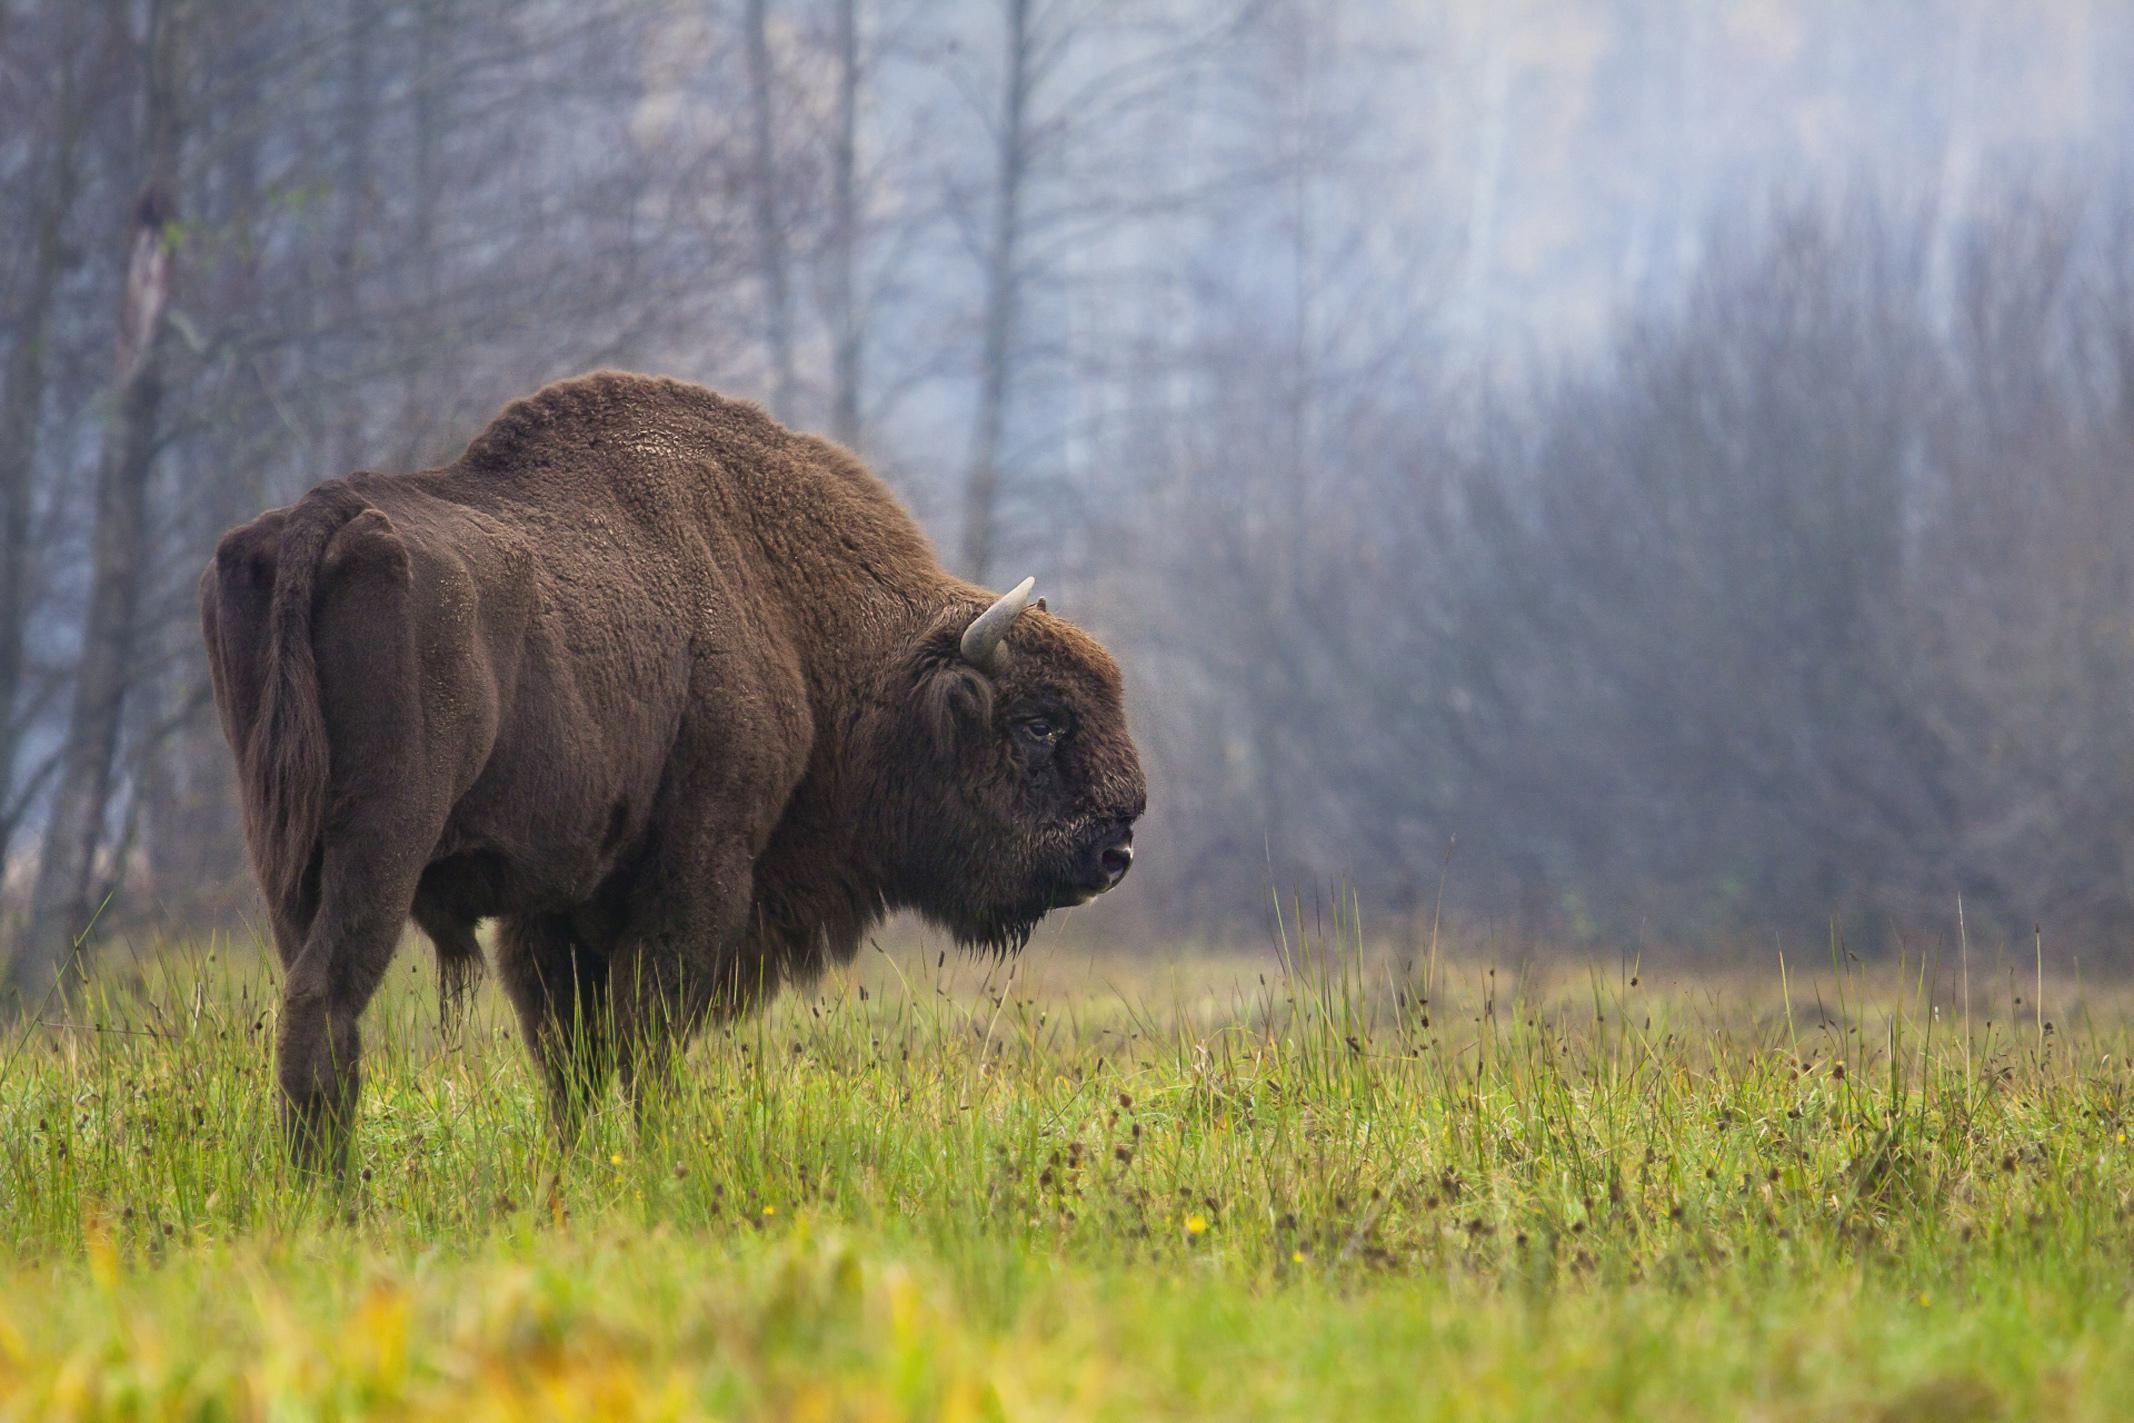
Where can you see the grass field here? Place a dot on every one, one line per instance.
(1319, 1186)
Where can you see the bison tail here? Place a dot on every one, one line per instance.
(286, 760)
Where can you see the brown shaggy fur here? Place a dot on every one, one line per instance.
(673, 692)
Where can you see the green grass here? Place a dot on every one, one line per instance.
(1093, 1189)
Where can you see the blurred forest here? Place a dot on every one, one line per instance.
(1656, 470)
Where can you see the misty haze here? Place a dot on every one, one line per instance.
(1647, 472)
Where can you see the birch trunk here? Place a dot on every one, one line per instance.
(1003, 294)
(60, 908)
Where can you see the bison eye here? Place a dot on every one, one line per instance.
(1042, 731)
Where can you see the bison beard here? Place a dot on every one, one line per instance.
(678, 696)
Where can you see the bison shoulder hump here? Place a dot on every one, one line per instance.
(584, 409)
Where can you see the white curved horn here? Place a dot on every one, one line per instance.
(981, 645)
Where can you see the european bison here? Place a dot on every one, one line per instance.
(680, 697)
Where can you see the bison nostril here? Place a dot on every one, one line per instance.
(1116, 861)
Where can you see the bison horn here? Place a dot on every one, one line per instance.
(983, 638)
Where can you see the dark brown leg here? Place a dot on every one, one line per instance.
(367, 889)
(559, 984)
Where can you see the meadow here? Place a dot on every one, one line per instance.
(1320, 1182)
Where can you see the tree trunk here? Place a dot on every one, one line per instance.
(1003, 293)
(357, 218)
(770, 230)
(191, 860)
(21, 402)
(60, 910)
(845, 349)
(418, 417)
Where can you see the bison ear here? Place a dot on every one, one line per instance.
(954, 705)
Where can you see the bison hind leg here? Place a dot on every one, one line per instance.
(320, 1045)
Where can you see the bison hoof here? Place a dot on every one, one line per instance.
(316, 1131)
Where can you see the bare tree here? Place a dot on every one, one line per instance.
(50, 193)
(1797, 585)
(1003, 290)
(847, 324)
(60, 908)
(358, 217)
(765, 185)
(1076, 85)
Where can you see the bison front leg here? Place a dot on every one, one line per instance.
(675, 960)
(559, 985)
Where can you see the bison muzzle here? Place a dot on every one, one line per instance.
(679, 697)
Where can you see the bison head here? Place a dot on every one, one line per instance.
(1012, 784)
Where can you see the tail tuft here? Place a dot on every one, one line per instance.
(285, 760)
